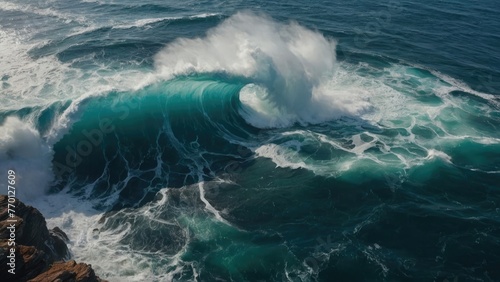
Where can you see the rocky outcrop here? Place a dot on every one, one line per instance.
(68, 271)
(31, 230)
(39, 254)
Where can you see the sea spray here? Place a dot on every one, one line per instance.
(24, 151)
(286, 65)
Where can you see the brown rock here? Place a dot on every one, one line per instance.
(31, 230)
(36, 249)
(69, 271)
(28, 260)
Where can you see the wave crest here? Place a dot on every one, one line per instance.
(288, 63)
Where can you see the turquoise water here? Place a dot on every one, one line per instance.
(259, 141)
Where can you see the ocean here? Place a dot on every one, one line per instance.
(259, 140)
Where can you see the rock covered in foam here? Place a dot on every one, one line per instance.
(39, 252)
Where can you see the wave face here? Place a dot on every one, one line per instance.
(203, 144)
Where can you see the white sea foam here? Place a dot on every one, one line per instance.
(288, 65)
(29, 82)
(283, 155)
(209, 206)
(88, 243)
(45, 12)
(295, 77)
(149, 21)
(397, 107)
(23, 151)
(94, 241)
(462, 86)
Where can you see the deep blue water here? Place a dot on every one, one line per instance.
(259, 140)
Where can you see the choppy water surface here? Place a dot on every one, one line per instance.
(257, 140)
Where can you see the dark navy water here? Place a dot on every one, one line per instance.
(259, 140)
